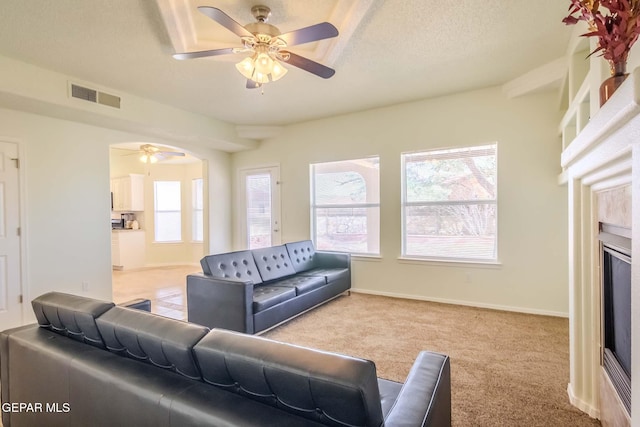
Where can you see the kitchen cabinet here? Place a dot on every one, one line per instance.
(127, 249)
(128, 193)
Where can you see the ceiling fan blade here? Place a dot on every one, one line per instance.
(308, 65)
(253, 85)
(321, 31)
(204, 53)
(170, 153)
(225, 20)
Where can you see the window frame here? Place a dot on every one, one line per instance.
(465, 202)
(314, 207)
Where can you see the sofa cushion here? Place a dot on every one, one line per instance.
(273, 263)
(389, 391)
(71, 315)
(163, 342)
(235, 265)
(329, 274)
(301, 254)
(302, 284)
(266, 296)
(325, 387)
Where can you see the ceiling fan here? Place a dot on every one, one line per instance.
(268, 47)
(152, 154)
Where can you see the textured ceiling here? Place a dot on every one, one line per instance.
(399, 51)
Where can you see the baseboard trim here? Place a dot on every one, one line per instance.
(465, 303)
(196, 268)
(170, 264)
(581, 404)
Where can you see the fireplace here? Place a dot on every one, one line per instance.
(615, 243)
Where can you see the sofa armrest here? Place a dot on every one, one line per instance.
(425, 398)
(332, 259)
(6, 369)
(220, 303)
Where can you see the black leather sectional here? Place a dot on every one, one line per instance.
(252, 291)
(90, 363)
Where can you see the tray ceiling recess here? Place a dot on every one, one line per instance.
(190, 30)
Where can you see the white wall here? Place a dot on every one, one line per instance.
(65, 189)
(532, 208)
(37, 90)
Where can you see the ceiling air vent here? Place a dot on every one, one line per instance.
(84, 93)
(94, 96)
(107, 99)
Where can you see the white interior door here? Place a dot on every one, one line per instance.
(10, 287)
(261, 195)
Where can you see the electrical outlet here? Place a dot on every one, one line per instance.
(85, 286)
(467, 278)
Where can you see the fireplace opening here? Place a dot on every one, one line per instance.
(616, 308)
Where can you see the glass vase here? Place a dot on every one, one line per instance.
(609, 86)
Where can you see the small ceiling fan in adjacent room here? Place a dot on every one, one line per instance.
(152, 154)
(267, 46)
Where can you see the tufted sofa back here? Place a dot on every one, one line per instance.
(328, 388)
(163, 342)
(233, 265)
(273, 262)
(71, 315)
(301, 254)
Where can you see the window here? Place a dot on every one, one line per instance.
(167, 211)
(197, 207)
(345, 205)
(449, 203)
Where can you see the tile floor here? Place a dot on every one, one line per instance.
(164, 286)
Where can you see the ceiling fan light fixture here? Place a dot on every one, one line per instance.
(246, 67)
(260, 77)
(264, 64)
(278, 71)
(148, 158)
(261, 68)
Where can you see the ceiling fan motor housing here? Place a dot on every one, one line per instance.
(259, 28)
(261, 13)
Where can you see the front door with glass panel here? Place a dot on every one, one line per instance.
(261, 207)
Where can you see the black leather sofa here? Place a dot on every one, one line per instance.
(90, 363)
(252, 291)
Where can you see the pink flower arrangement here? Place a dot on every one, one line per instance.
(616, 32)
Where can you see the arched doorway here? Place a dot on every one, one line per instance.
(159, 221)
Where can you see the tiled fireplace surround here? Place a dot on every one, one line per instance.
(601, 168)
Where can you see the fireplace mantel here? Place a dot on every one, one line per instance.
(604, 145)
(604, 155)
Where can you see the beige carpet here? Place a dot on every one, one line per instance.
(507, 369)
